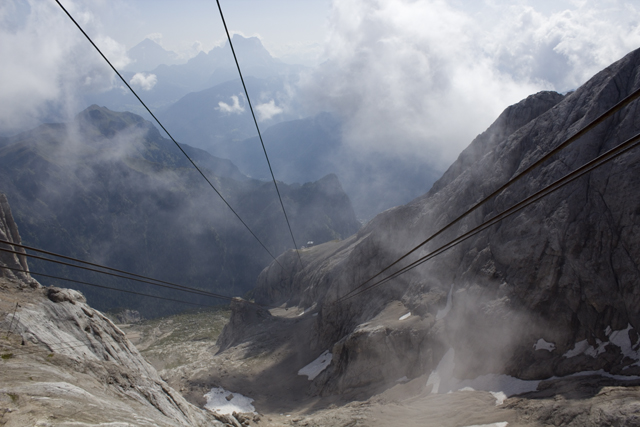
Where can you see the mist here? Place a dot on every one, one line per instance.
(422, 79)
(108, 188)
(48, 63)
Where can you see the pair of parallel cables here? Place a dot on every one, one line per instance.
(140, 278)
(598, 161)
(183, 151)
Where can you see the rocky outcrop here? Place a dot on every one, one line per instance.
(550, 291)
(244, 317)
(63, 361)
(9, 232)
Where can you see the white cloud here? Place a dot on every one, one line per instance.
(268, 110)
(144, 81)
(424, 78)
(234, 108)
(563, 48)
(46, 58)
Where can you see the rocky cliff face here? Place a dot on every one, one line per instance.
(64, 362)
(548, 292)
(9, 232)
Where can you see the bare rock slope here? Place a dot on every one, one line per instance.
(64, 363)
(548, 292)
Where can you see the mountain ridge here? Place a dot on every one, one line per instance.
(108, 187)
(561, 271)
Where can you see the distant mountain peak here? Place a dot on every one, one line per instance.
(248, 45)
(239, 38)
(147, 42)
(108, 122)
(148, 54)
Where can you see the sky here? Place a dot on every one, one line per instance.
(408, 77)
(283, 25)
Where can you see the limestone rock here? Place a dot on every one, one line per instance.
(9, 232)
(128, 316)
(564, 269)
(61, 295)
(244, 316)
(63, 361)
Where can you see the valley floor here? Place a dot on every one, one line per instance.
(183, 349)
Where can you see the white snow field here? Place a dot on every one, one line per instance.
(225, 402)
(314, 368)
(406, 316)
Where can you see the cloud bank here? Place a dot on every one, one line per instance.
(424, 78)
(48, 62)
(144, 81)
(234, 108)
(268, 110)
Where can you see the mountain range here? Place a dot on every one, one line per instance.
(202, 103)
(108, 187)
(172, 81)
(147, 55)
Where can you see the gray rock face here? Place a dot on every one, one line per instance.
(128, 316)
(243, 314)
(549, 291)
(63, 361)
(9, 232)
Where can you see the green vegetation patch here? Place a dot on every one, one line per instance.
(187, 334)
(7, 356)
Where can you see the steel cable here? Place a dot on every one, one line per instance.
(167, 132)
(587, 167)
(624, 102)
(259, 133)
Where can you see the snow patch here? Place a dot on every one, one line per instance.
(499, 385)
(443, 373)
(308, 309)
(442, 313)
(601, 373)
(595, 351)
(544, 345)
(618, 338)
(583, 347)
(443, 381)
(314, 368)
(500, 424)
(402, 380)
(406, 316)
(579, 348)
(500, 397)
(621, 339)
(224, 402)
